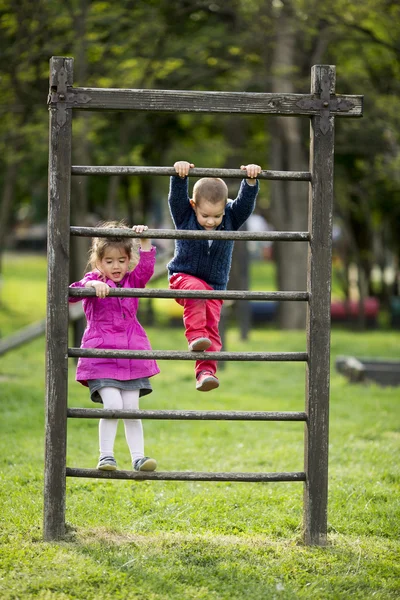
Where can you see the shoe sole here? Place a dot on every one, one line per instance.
(107, 468)
(200, 345)
(149, 465)
(208, 384)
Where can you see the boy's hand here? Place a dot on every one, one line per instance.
(182, 168)
(145, 243)
(252, 171)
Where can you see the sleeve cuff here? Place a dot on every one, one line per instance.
(151, 252)
(255, 185)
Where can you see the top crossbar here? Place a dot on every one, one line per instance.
(182, 101)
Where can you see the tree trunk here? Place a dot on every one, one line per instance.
(112, 197)
(288, 198)
(112, 209)
(7, 199)
(239, 278)
(79, 246)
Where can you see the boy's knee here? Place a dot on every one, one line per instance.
(198, 284)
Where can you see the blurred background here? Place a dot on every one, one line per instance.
(235, 45)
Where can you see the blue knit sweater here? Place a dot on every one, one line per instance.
(196, 257)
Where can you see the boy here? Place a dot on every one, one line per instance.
(205, 264)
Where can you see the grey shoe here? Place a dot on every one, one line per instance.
(107, 463)
(145, 464)
(199, 344)
(206, 382)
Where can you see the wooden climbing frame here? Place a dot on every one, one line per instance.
(322, 105)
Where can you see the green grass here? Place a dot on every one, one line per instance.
(23, 292)
(181, 540)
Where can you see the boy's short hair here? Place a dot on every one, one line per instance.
(212, 189)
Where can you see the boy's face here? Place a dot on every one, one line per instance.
(209, 215)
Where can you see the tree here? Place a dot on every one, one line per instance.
(243, 45)
(289, 198)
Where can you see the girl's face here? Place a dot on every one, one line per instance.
(114, 264)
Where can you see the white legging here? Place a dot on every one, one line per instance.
(116, 399)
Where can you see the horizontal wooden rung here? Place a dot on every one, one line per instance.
(176, 234)
(195, 172)
(185, 475)
(186, 415)
(177, 355)
(164, 293)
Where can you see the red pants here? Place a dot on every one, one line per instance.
(200, 317)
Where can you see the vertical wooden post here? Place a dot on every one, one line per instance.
(318, 313)
(58, 236)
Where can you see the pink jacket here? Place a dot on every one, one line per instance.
(112, 324)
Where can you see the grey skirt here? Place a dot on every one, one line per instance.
(143, 385)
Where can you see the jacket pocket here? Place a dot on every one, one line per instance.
(92, 342)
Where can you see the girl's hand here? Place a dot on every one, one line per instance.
(252, 171)
(182, 168)
(139, 228)
(145, 243)
(102, 289)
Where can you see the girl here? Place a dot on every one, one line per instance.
(112, 324)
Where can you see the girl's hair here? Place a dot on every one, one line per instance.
(100, 245)
(212, 189)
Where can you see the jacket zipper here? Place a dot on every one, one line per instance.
(120, 301)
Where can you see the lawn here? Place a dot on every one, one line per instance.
(181, 540)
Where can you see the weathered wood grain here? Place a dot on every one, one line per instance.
(164, 293)
(176, 355)
(318, 317)
(184, 101)
(169, 171)
(175, 234)
(185, 415)
(61, 75)
(185, 476)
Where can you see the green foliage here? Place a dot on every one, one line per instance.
(201, 46)
(181, 45)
